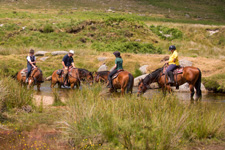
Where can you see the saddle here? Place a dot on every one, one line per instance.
(60, 72)
(24, 72)
(117, 73)
(178, 70)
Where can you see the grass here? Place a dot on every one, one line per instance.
(129, 122)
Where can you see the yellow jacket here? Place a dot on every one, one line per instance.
(173, 56)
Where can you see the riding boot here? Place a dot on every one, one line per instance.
(110, 84)
(171, 77)
(65, 80)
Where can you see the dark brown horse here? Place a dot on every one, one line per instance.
(191, 75)
(123, 81)
(73, 78)
(85, 75)
(36, 78)
(101, 76)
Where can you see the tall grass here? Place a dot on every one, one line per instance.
(14, 95)
(129, 122)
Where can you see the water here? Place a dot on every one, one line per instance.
(185, 96)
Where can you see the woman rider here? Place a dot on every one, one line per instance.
(173, 64)
(118, 66)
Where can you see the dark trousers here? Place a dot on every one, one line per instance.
(169, 71)
(110, 77)
(29, 69)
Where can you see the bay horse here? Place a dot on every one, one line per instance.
(73, 78)
(85, 75)
(101, 76)
(124, 81)
(191, 75)
(36, 78)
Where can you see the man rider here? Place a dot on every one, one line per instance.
(31, 63)
(173, 63)
(67, 62)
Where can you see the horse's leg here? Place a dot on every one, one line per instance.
(192, 91)
(122, 91)
(72, 85)
(38, 86)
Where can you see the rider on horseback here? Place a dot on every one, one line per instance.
(31, 62)
(118, 66)
(173, 63)
(67, 62)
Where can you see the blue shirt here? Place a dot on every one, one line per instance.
(67, 60)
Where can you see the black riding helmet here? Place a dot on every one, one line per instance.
(172, 47)
(117, 54)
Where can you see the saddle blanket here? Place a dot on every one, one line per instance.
(178, 70)
(24, 72)
(117, 73)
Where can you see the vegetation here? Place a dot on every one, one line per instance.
(129, 122)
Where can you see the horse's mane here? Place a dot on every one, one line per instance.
(102, 73)
(84, 71)
(154, 75)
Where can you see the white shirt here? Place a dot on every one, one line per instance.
(28, 58)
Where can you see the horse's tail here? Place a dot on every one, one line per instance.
(198, 84)
(130, 83)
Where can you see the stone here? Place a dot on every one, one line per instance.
(185, 63)
(40, 53)
(138, 40)
(137, 79)
(1, 25)
(43, 58)
(143, 69)
(48, 78)
(101, 58)
(102, 68)
(185, 88)
(59, 53)
(187, 16)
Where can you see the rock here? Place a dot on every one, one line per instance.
(185, 63)
(43, 58)
(48, 78)
(138, 40)
(154, 85)
(211, 32)
(1, 25)
(24, 27)
(185, 88)
(103, 68)
(137, 79)
(74, 8)
(40, 53)
(187, 16)
(143, 69)
(109, 10)
(101, 58)
(59, 53)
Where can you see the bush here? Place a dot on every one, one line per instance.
(166, 33)
(92, 122)
(212, 85)
(132, 47)
(15, 96)
(48, 28)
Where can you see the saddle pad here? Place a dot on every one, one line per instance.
(178, 70)
(117, 73)
(23, 72)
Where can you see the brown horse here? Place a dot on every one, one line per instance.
(73, 78)
(101, 76)
(191, 75)
(36, 78)
(123, 81)
(85, 75)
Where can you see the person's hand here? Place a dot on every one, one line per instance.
(66, 68)
(34, 67)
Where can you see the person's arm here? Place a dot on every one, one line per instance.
(115, 67)
(64, 64)
(28, 59)
(73, 65)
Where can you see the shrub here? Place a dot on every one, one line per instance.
(166, 33)
(16, 96)
(129, 122)
(48, 28)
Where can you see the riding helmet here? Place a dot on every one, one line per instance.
(117, 53)
(172, 47)
(31, 51)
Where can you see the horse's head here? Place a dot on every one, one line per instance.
(142, 87)
(90, 78)
(35, 75)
